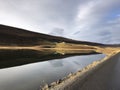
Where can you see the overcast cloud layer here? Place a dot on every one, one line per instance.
(89, 20)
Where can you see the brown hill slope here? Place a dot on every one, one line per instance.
(20, 37)
(15, 36)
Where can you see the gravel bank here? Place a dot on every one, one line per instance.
(76, 81)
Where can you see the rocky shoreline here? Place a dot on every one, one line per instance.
(81, 75)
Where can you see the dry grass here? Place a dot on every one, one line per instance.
(65, 48)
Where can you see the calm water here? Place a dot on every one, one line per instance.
(32, 76)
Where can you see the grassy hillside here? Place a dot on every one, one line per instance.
(15, 36)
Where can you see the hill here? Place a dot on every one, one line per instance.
(15, 36)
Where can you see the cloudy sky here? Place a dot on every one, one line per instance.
(89, 20)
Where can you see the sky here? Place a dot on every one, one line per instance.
(85, 20)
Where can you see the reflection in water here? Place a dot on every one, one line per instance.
(31, 76)
(10, 58)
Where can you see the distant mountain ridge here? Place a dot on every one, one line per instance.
(20, 37)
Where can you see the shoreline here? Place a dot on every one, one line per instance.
(59, 50)
(81, 75)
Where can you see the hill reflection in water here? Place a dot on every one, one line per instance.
(40, 68)
(11, 58)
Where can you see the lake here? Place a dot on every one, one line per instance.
(30, 76)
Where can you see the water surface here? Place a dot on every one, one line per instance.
(32, 76)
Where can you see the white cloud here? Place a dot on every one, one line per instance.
(82, 20)
(93, 12)
(92, 19)
(42, 15)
